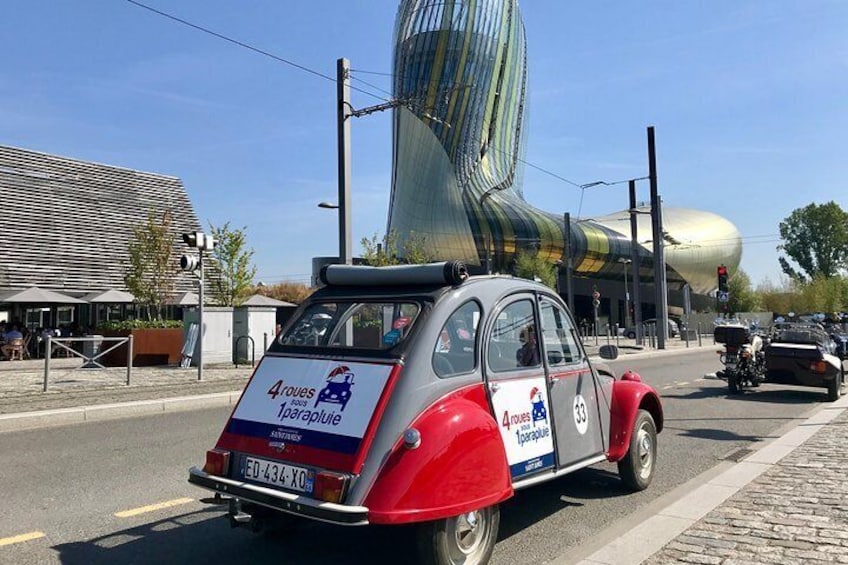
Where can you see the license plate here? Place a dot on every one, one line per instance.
(279, 474)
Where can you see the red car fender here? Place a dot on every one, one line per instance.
(628, 397)
(459, 466)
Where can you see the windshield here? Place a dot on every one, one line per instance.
(369, 325)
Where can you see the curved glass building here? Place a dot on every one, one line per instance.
(460, 66)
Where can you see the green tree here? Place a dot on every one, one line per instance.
(286, 291)
(234, 279)
(742, 296)
(816, 239)
(151, 263)
(378, 252)
(530, 265)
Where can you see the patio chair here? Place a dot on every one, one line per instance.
(26, 352)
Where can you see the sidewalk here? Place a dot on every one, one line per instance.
(785, 503)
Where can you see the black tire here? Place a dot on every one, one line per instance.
(732, 382)
(467, 539)
(834, 389)
(638, 466)
(630, 334)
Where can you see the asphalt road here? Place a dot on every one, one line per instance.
(116, 492)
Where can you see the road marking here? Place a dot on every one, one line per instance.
(683, 383)
(153, 507)
(21, 538)
(666, 387)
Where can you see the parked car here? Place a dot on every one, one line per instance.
(651, 326)
(427, 397)
(805, 355)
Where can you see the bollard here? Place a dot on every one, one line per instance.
(699, 334)
(47, 354)
(129, 358)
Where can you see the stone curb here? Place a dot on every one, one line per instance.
(700, 495)
(63, 416)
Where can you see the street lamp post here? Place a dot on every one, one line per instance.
(625, 263)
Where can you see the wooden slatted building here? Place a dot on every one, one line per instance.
(65, 223)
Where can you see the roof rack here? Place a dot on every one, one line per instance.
(442, 273)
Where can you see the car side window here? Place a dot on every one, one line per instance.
(455, 351)
(514, 342)
(558, 336)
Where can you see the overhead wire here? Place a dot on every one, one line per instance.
(248, 46)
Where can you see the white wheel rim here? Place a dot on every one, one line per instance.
(645, 450)
(469, 533)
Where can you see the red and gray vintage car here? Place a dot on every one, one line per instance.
(417, 394)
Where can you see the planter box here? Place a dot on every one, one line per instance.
(151, 346)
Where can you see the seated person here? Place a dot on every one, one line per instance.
(12, 334)
(528, 354)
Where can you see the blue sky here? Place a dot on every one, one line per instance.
(748, 99)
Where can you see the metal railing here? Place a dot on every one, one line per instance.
(89, 362)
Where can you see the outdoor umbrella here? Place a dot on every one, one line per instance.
(111, 296)
(261, 300)
(184, 299)
(35, 295)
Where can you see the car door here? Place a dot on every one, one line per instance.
(579, 418)
(517, 386)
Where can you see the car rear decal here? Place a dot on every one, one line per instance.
(321, 404)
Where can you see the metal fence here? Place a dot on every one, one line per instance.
(89, 355)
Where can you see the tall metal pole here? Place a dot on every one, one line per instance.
(626, 295)
(634, 264)
(200, 320)
(569, 264)
(342, 114)
(659, 247)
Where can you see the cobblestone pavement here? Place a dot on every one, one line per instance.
(794, 513)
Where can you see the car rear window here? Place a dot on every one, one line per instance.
(369, 325)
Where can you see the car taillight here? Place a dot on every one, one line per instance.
(217, 462)
(330, 487)
(818, 366)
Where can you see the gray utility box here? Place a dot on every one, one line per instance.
(731, 335)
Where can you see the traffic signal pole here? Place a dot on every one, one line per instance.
(634, 264)
(659, 247)
(200, 318)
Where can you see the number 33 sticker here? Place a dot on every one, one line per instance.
(581, 414)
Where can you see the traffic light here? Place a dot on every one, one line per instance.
(189, 262)
(199, 240)
(722, 278)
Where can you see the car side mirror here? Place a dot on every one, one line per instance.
(608, 352)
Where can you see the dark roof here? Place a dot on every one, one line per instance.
(65, 223)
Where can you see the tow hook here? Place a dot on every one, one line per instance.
(239, 518)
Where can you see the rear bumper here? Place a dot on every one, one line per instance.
(283, 501)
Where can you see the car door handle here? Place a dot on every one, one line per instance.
(494, 387)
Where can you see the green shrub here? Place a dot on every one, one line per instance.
(125, 325)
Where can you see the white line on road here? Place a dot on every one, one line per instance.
(21, 538)
(153, 507)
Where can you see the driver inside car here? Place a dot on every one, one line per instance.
(528, 354)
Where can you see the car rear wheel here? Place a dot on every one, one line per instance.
(637, 467)
(834, 388)
(467, 539)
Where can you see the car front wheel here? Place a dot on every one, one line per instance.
(637, 467)
(467, 539)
